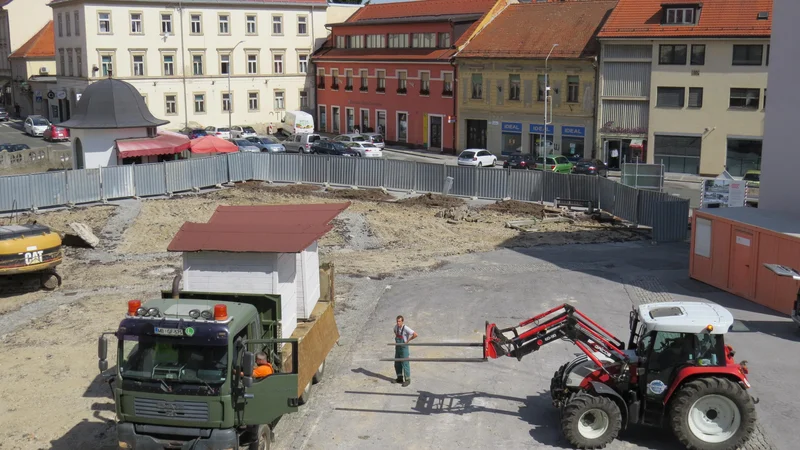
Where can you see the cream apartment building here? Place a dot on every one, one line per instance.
(19, 21)
(181, 55)
(687, 90)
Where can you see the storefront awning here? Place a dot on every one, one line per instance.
(637, 143)
(163, 144)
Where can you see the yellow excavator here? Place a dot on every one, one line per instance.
(28, 251)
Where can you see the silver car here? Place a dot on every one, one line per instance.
(267, 144)
(243, 132)
(36, 125)
(302, 142)
(375, 139)
(245, 145)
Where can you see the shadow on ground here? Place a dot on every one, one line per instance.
(96, 434)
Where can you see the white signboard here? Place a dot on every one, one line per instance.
(722, 191)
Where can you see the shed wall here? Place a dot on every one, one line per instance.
(287, 280)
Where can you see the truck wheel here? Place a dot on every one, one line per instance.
(590, 421)
(305, 395)
(264, 439)
(712, 414)
(320, 372)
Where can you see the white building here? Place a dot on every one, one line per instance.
(19, 21)
(182, 55)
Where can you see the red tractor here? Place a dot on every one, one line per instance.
(676, 372)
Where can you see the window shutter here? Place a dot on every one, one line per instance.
(528, 93)
(501, 93)
(555, 92)
(695, 97)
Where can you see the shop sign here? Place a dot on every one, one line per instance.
(512, 127)
(536, 128)
(573, 131)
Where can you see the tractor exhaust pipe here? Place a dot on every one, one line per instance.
(176, 283)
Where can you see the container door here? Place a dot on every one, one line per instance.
(741, 279)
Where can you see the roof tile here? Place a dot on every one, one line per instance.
(41, 45)
(420, 8)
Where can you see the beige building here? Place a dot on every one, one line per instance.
(34, 65)
(182, 55)
(19, 21)
(687, 90)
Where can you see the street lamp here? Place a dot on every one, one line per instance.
(546, 97)
(784, 271)
(230, 97)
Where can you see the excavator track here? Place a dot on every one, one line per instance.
(30, 282)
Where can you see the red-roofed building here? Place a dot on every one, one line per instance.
(19, 20)
(684, 83)
(389, 69)
(34, 63)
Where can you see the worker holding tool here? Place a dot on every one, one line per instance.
(402, 335)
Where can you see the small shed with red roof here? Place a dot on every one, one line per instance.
(265, 249)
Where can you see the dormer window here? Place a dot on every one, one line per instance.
(680, 15)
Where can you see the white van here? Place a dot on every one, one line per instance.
(297, 122)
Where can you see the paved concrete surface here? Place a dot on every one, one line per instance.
(13, 132)
(505, 403)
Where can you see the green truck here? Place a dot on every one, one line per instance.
(184, 364)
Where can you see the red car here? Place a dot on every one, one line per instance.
(56, 133)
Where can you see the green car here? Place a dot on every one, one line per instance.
(555, 163)
(753, 178)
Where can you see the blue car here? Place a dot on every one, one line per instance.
(267, 144)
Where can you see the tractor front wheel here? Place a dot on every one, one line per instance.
(557, 386)
(712, 414)
(590, 421)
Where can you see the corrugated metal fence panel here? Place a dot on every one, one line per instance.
(239, 166)
(209, 171)
(150, 179)
(626, 79)
(83, 185)
(399, 174)
(314, 168)
(626, 113)
(118, 182)
(556, 185)
(430, 177)
(583, 187)
(285, 167)
(492, 183)
(15, 193)
(671, 221)
(369, 172)
(179, 175)
(463, 180)
(343, 170)
(605, 194)
(260, 163)
(625, 203)
(646, 209)
(521, 185)
(48, 189)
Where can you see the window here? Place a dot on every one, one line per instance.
(252, 63)
(138, 65)
(670, 97)
(277, 63)
(444, 40)
(60, 26)
(355, 41)
(224, 63)
(680, 154)
(376, 41)
(477, 86)
(106, 64)
(224, 24)
(680, 16)
(279, 100)
(168, 62)
(252, 101)
(425, 83)
(745, 98)
(69, 23)
(380, 75)
(401, 81)
(226, 102)
(197, 64)
(747, 55)
(197, 23)
(321, 78)
(398, 41)
(251, 25)
(364, 80)
(277, 24)
(348, 80)
(69, 62)
(335, 117)
(199, 103)
(302, 25)
(136, 23)
(334, 79)
(672, 54)
(170, 104)
(341, 41)
(765, 99)
(104, 22)
(302, 64)
(695, 97)
(166, 23)
(423, 40)
(766, 63)
(573, 88)
(63, 62)
(698, 55)
(303, 100)
(322, 119)
(77, 23)
(540, 85)
(743, 155)
(447, 89)
(79, 63)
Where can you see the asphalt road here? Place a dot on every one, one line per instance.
(12, 132)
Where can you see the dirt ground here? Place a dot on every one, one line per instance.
(374, 238)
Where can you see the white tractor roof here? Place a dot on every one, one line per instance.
(685, 317)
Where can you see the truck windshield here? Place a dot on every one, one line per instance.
(151, 358)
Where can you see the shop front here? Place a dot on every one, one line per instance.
(537, 134)
(621, 150)
(572, 141)
(511, 137)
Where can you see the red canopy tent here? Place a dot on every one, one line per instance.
(212, 144)
(162, 144)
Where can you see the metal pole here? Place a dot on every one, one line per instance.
(546, 95)
(230, 97)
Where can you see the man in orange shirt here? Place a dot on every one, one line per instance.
(264, 368)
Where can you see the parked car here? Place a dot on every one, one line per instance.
(56, 133)
(245, 145)
(243, 132)
(220, 132)
(352, 137)
(365, 149)
(36, 125)
(590, 167)
(375, 139)
(519, 161)
(13, 147)
(332, 148)
(296, 143)
(476, 157)
(752, 178)
(4, 115)
(555, 163)
(267, 144)
(194, 133)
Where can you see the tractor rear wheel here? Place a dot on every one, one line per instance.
(590, 421)
(712, 414)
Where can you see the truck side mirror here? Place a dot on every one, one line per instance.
(248, 365)
(102, 353)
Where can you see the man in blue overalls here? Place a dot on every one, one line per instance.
(402, 334)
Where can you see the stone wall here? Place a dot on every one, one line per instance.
(35, 160)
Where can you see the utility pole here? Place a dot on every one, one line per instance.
(547, 119)
(230, 97)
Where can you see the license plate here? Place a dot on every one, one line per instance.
(168, 331)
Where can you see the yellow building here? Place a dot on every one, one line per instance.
(501, 80)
